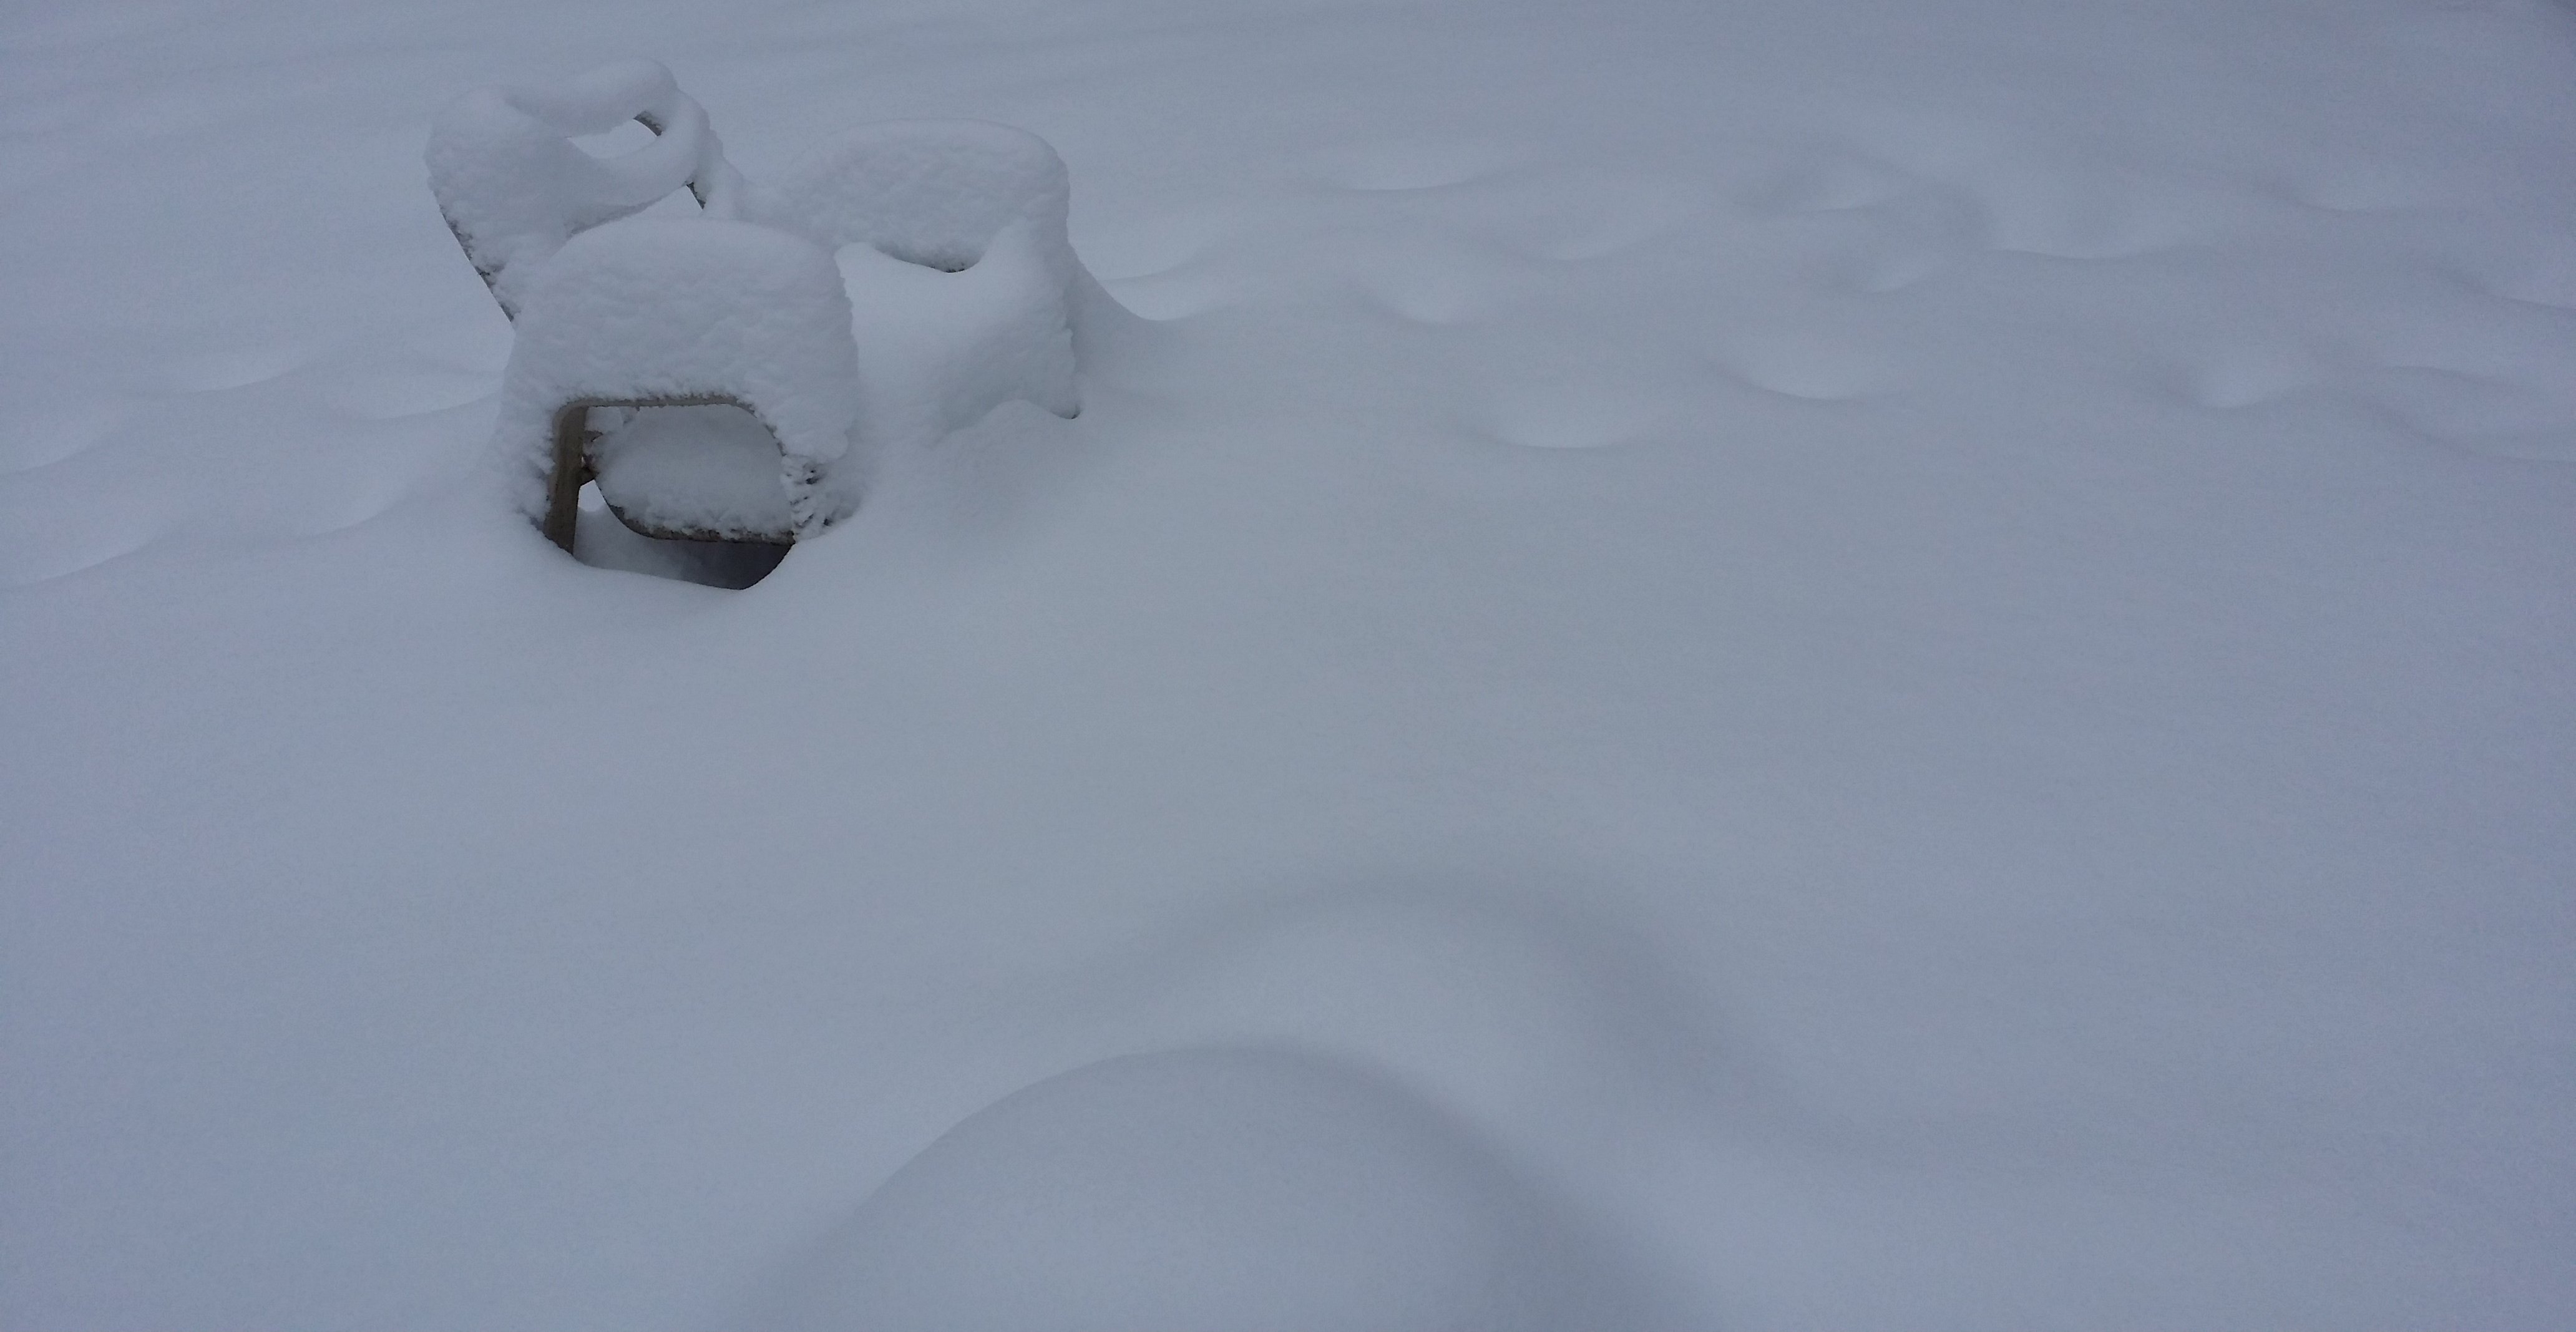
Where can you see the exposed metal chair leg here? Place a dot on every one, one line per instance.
(571, 472)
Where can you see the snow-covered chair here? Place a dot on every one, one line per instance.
(747, 306)
(980, 202)
(514, 187)
(696, 313)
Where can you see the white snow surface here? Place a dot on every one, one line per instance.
(1208, 1188)
(1801, 663)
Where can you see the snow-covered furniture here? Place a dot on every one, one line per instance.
(638, 338)
(984, 204)
(686, 312)
(514, 187)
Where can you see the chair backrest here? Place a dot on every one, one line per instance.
(931, 192)
(957, 195)
(667, 312)
(514, 187)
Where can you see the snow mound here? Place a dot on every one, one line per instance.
(689, 308)
(1206, 1188)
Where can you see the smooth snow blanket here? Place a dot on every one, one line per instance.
(683, 307)
(1918, 656)
(1207, 1189)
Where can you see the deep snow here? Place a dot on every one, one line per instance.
(1889, 663)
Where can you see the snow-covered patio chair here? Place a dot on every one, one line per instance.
(637, 338)
(982, 203)
(704, 314)
(514, 186)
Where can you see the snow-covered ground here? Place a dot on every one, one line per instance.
(1792, 663)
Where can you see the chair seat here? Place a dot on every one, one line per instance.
(706, 473)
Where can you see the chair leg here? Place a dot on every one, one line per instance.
(571, 469)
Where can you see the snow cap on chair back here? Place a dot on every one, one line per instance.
(687, 307)
(932, 192)
(514, 187)
(955, 194)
